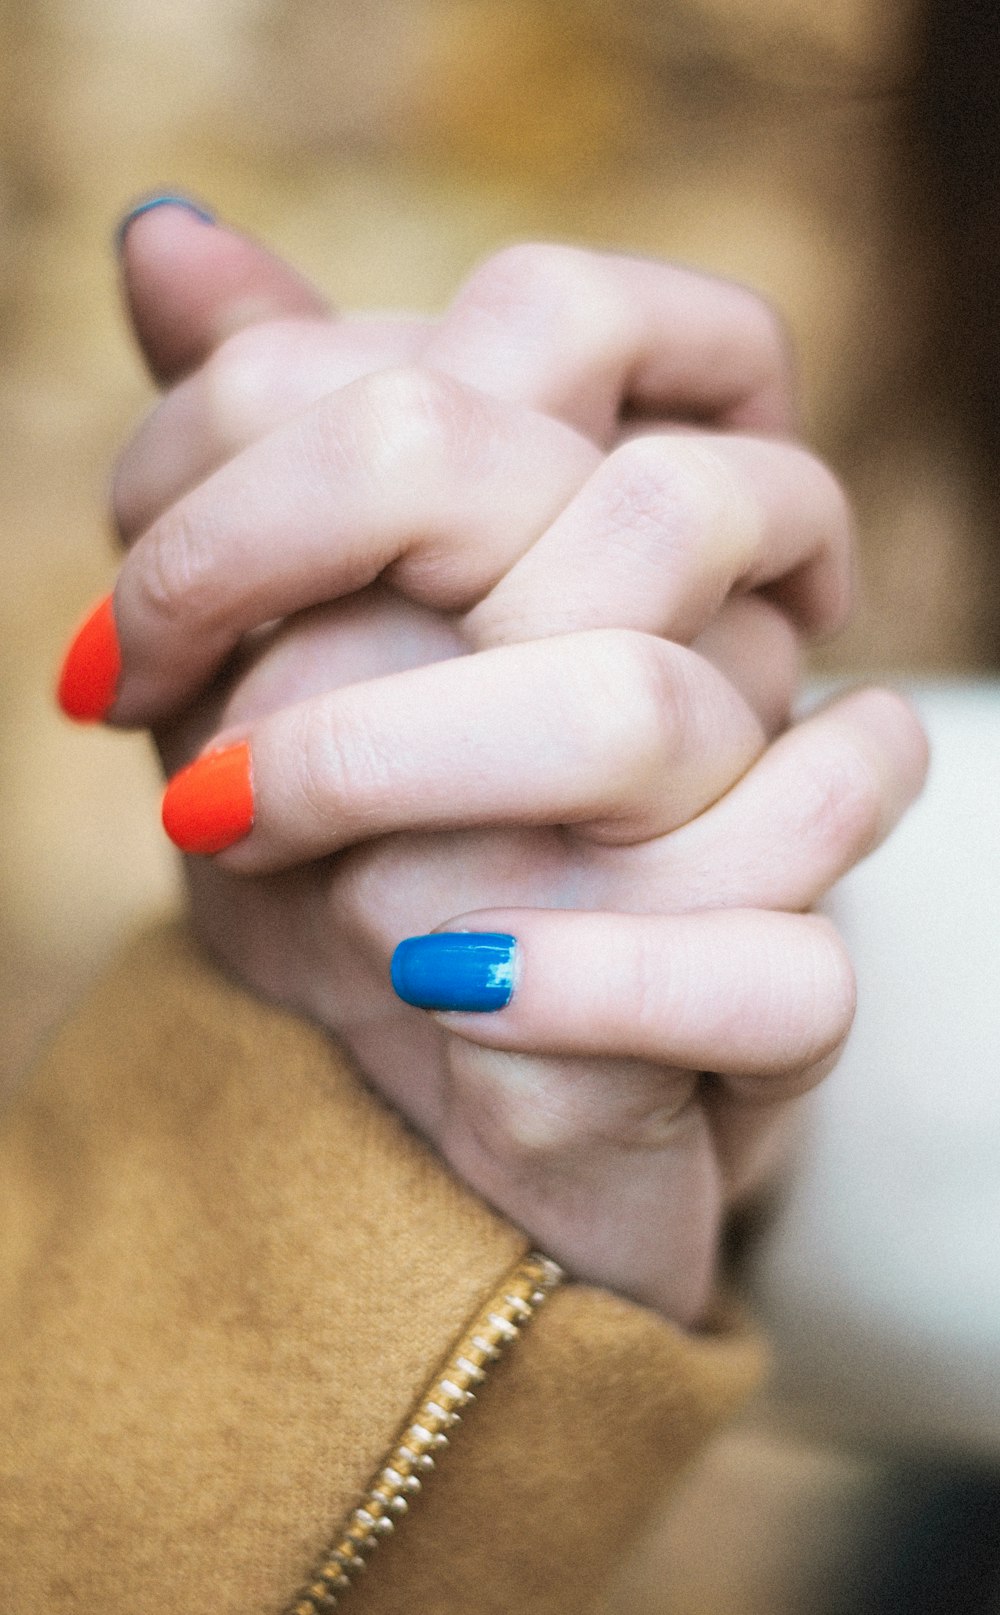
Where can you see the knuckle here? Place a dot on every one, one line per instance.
(684, 498)
(645, 481)
(522, 1110)
(832, 519)
(124, 502)
(621, 706)
(769, 325)
(337, 771)
(362, 896)
(799, 1000)
(174, 571)
(772, 374)
(832, 984)
(646, 986)
(901, 736)
(665, 483)
(639, 699)
(841, 811)
(766, 329)
(239, 379)
(409, 422)
(529, 269)
(536, 282)
(828, 495)
(532, 1127)
(319, 780)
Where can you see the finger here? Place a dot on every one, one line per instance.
(403, 473)
(742, 992)
(608, 1164)
(254, 381)
(618, 735)
(595, 337)
(189, 282)
(816, 802)
(667, 527)
(754, 645)
(246, 395)
(621, 1169)
(452, 489)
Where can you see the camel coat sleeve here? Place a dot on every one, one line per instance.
(228, 1277)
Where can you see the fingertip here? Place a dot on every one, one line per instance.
(896, 717)
(91, 668)
(896, 743)
(209, 805)
(153, 202)
(456, 971)
(189, 282)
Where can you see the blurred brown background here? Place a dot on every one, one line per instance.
(386, 145)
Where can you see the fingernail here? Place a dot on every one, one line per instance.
(166, 199)
(208, 806)
(464, 970)
(88, 680)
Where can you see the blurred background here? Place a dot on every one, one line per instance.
(805, 146)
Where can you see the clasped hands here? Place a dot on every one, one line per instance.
(489, 625)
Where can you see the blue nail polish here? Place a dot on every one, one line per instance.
(463, 970)
(166, 199)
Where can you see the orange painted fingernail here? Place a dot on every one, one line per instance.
(208, 806)
(92, 666)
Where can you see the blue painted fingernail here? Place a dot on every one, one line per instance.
(470, 970)
(166, 199)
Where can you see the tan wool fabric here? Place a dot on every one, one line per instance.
(227, 1272)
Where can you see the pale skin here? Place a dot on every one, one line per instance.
(534, 657)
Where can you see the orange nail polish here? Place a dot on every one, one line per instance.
(208, 806)
(92, 666)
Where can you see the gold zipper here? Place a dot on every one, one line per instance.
(425, 1435)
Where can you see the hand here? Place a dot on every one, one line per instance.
(603, 342)
(597, 1159)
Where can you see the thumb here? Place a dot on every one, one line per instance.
(189, 282)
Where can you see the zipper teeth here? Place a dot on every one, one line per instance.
(425, 1436)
